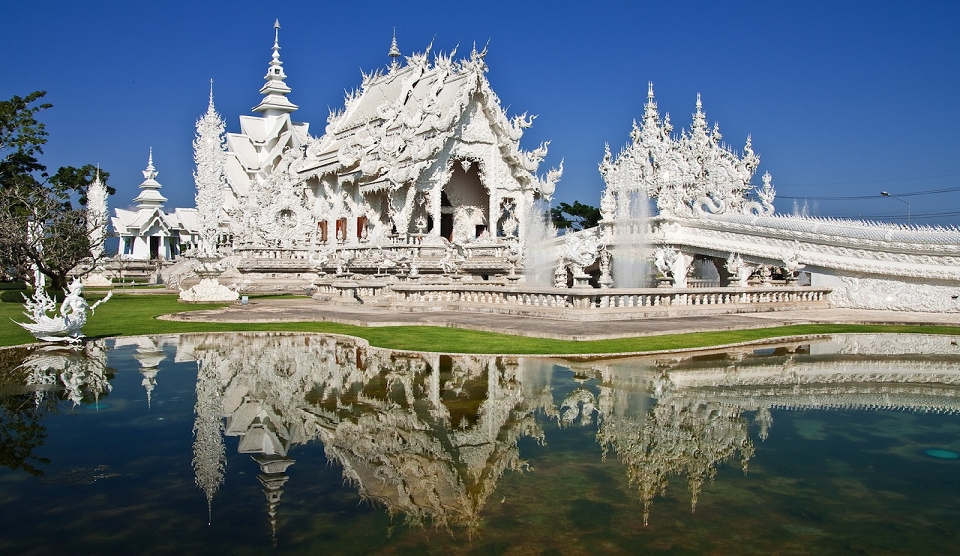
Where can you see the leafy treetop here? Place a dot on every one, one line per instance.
(575, 217)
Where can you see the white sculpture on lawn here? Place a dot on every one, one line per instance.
(210, 157)
(64, 326)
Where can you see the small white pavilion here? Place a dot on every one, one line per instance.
(149, 233)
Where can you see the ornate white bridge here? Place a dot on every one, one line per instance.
(867, 265)
(708, 209)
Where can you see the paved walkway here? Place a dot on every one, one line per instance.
(307, 310)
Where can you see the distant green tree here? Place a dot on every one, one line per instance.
(43, 221)
(575, 217)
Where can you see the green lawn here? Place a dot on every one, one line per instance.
(132, 315)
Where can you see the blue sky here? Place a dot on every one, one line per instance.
(843, 99)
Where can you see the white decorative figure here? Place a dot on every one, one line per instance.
(608, 204)
(96, 230)
(663, 260)
(66, 327)
(580, 250)
(740, 271)
(209, 157)
(508, 222)
(791, 262)
(689, 175)
(673, 264)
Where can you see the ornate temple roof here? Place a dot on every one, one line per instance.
(150, 196)
(395, 126)
(691, 174)
(263, 139)
(151, 213)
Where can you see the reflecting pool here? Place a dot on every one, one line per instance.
(276, 443)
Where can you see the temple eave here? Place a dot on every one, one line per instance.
(275, 103)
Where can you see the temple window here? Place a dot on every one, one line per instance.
(361, 225)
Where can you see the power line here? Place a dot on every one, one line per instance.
(860, 197)
(875, 181)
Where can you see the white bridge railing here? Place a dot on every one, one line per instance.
(549, 301)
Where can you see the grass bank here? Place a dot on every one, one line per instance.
(134, 315)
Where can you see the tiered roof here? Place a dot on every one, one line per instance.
(394, 127)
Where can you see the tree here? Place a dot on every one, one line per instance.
(43, 224)
(575, 217)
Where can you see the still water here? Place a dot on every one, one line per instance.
(270, 443)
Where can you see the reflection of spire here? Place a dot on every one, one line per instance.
(149, 355)
(273, 476)
(209, 453)
(149, 381)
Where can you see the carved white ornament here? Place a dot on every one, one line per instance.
(97, 216)
(688, 175)
(209, 156)
(68, 324)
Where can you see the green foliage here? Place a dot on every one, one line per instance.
(22, 432)
(575, 217)
(22, 137)
(43, 222)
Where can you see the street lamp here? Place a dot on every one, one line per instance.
(885, 194)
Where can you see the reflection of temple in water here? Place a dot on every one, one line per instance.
(149, 353)
(697, 419)
(425, 435)
(428, 436)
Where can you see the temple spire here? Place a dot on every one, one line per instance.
(394, 51)
(651, 118)
(275, 91)
(698, 129)
(150, 196)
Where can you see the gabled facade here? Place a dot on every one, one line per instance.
(422, 153)
(149, 233)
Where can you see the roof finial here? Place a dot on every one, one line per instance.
(394, 51)
(150, 196)
(649, 90)
(275, 91)
(699, 104)
(211, 93)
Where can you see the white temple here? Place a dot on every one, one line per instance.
(419, 195)
(423, 153)
(149, 233)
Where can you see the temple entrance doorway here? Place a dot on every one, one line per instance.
(464, 203)
(446, 226)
